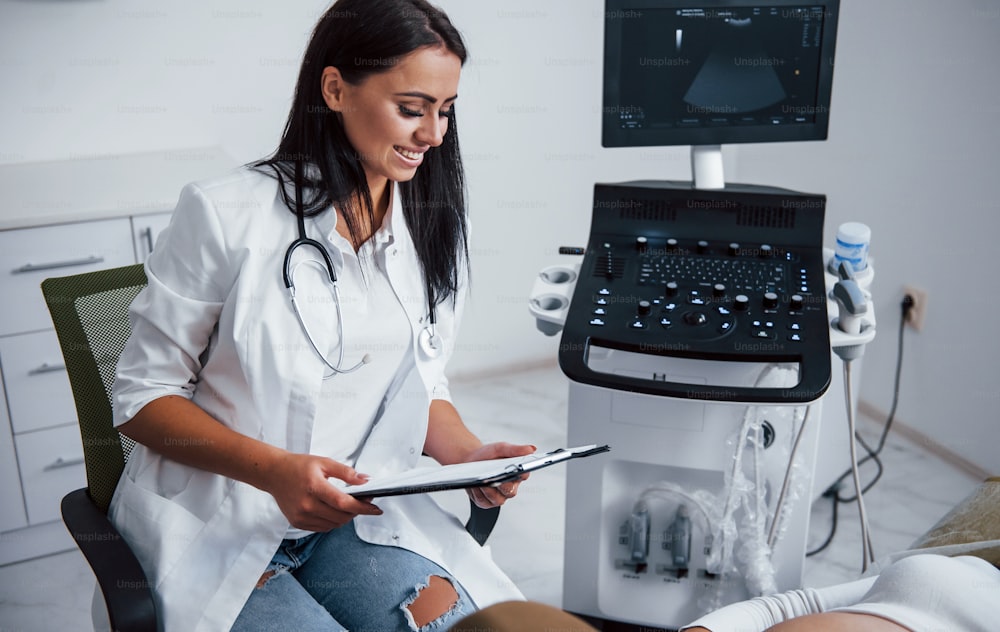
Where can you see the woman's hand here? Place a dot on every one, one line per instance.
(299, 484)
(180, 430)
(487, 497)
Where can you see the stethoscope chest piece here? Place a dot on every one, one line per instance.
(429, 342)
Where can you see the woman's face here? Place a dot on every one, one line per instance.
(392, 118)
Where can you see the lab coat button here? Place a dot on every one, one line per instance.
(412, 450)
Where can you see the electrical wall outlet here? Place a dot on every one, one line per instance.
(919, 309)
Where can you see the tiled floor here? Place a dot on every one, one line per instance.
(53, 593)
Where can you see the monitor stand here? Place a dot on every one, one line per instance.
(706, 167)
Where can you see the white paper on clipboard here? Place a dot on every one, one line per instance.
(462, 475)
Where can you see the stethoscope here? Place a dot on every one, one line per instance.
(427, 340)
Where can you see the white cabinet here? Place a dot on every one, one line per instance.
(41, 453)
(30, 255)
(38, 394)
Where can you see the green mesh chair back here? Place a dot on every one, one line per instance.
(90, 314)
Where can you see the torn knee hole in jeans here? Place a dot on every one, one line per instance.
(430, 602)
(270, 574)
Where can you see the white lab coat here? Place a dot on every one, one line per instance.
(215, 325)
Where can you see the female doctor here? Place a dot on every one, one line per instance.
(293, 339)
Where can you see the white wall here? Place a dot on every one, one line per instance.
(912, 150)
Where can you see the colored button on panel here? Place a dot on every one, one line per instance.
(637, 324)
(597, 322)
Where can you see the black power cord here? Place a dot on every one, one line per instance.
(833, 492)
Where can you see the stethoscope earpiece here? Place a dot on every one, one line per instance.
(429, 342)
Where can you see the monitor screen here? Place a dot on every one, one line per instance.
(710, 72)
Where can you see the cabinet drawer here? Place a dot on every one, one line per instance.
(38, 391)
(28, 256)
(51, 464)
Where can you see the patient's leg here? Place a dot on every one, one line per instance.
(838, 622)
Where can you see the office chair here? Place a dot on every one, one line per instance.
(90, 314)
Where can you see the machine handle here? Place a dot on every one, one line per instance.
(813, 382)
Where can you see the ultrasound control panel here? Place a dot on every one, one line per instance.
(730, 275)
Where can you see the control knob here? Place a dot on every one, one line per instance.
(770, 300)
(695, 319)
(741, 302)
(643, 308)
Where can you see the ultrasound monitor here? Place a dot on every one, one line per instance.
(711, 72)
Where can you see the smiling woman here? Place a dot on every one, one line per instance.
(227, 383)
(390, 120)
(413, 54)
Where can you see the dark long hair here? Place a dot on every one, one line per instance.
(357, 37)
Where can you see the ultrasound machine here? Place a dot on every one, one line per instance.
(702, 321)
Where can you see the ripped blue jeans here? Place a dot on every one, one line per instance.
(336, 581)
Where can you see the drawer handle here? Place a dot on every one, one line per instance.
(147, 234)
(47, 368)
(61, 463)
(35, 267)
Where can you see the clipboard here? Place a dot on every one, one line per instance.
(463, 475)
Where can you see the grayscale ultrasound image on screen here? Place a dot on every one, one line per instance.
(736, 66)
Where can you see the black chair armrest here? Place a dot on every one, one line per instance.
(481, 522)
(127, 593)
